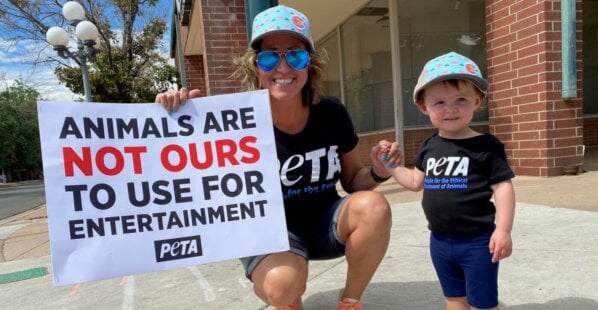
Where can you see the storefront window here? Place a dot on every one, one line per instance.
(360, 71)
(367, 68)
(429, 28)
(590, 57)
(332, 74)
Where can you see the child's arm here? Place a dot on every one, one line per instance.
(411, 179)
(501, 244)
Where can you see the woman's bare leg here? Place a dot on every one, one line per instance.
(364, 223)
(280, 278)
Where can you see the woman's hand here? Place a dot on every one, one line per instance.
(173, 100)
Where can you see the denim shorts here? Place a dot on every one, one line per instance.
(322, 243)
(465, 269)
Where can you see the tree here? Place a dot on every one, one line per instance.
(19, 132)
(129, 66)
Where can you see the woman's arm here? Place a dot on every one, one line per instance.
(355, 176)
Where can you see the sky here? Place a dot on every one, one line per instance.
(16, 63)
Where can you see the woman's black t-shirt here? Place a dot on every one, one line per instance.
(309, 162)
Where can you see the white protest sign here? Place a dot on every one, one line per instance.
(131, 188)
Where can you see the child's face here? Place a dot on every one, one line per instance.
(451, 108)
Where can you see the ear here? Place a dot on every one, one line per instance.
(478, 102)
(422, 108)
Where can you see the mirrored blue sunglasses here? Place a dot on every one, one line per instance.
(297, 59)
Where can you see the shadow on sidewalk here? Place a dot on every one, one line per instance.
(386, 296)
(576, 303)
(428, 295)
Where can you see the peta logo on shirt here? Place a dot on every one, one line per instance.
(310, 164)
(447, 166)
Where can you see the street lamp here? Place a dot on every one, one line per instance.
(87, 35)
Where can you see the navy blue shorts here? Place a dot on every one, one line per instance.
(465, 269)
(324, 243)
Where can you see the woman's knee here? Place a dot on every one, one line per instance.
(280, 278)
(365, 209)
(374, 205)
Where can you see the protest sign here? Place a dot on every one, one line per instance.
(131, 188)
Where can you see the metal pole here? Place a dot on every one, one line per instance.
(399, 104)
(84, 71)
(179, 50)
(568, 50)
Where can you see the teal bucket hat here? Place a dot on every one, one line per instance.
(450, 66)
(280, 19)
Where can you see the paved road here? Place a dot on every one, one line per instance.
(20, 198)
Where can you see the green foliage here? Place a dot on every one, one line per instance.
(19, 131)
(128, 67)
(118, 79)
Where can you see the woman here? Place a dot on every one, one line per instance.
(316, 147)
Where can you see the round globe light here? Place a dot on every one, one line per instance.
(57, 36)
(86, 31)
(73, 11)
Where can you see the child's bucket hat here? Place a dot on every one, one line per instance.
(450, 66)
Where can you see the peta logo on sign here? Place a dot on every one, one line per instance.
(171, 249)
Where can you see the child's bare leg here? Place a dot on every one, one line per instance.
(457, 303)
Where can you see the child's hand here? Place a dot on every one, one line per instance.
(386, 154)
(500, 245)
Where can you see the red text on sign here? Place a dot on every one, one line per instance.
(85, 162)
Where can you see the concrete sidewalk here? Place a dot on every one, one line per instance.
(553, 266)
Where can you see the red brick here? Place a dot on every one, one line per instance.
(527, 153)
(526, 136)
(537, 126)
(505, 40)
(526, 8)
(572, 142)
(506, 111)
(530, 89)
(527, 80)
(534, 144)
(532, 162)
(507, 93)
(524, 23)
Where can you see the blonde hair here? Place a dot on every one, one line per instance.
(312, 92)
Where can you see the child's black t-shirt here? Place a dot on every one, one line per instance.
(458, 176)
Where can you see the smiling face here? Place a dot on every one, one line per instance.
(451, 107)
(283, 82)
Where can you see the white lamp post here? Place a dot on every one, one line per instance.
(87, 35)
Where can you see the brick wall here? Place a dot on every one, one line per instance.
(195, 74)
(541, 131)
(225, 37)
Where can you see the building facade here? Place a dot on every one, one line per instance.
(540, 57)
